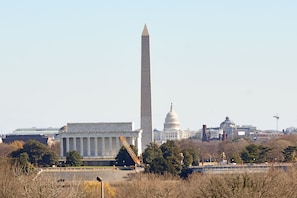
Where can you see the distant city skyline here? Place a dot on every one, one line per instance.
(70, 61)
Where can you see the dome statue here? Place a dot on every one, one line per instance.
(171, 120)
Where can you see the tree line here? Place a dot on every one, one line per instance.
(35, 154)
(170, 157)
(175, 157)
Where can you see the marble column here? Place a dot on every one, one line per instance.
(61, 147)
(67, 144)
(96, 145)
(89, 146)
(117, 144)
(81, 146)
(133, 141)
(139, 146)
(110, 146)
(103, 146)
(74, 144)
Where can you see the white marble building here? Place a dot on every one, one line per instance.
(172, 130)
(97, 140)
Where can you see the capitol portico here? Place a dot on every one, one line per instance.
(97, 140)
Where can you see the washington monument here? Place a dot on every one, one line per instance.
(146, 105)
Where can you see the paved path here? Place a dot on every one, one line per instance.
(109, 175)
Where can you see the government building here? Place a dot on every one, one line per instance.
(97, 140)
(43, 135)
(172, 129)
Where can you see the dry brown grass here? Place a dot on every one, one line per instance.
(15, 184)
(275, 183)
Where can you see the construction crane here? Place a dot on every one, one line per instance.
(129, 150)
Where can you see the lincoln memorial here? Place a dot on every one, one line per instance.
(97, 140)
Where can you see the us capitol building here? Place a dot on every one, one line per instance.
(172, 129)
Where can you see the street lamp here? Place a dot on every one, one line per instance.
(276, 118)
(102, 186)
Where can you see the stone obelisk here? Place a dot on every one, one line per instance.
(146, 106)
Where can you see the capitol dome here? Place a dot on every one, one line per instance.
(171, 120)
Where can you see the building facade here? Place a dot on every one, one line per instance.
(97, 140)
(172, 130)
(42, 135)
(228, 128)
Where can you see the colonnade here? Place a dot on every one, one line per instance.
(94, 146)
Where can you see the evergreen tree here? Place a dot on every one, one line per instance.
(36, 153)
(164, 159)
(152, 152)
(158, 165)
(187, 158)
(254, 154)
(24, 164)
(250, 153)
(173, 157)
(73, 158)
(195, 155)
(153, 159)
(263, 150)
(290, 154)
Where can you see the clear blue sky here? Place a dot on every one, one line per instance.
(79, 61)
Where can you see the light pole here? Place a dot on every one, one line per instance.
(276, 118)
(102, 186)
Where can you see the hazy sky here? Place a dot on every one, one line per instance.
(79, 61)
